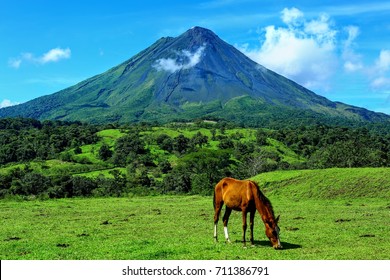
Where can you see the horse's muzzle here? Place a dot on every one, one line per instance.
(278, 247)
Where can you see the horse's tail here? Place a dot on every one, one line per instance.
(216, 188)
(214, 203)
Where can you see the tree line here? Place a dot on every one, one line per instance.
(23, 140)
(198, 165)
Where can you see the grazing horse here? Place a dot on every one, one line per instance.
(245, 196)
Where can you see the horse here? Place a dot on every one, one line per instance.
(245, 196)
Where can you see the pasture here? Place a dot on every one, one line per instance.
(181, 227)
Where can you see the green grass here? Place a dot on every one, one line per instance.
(109, 136)
(317, 223)
(283, 151)
(103, 172)
(328, 183)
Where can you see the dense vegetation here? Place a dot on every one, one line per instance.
(60, 159)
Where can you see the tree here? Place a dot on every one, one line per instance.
(261, 137)
(117, 186)
(77, 150)
(177, 181)
(225, 143)
(105, 152)
(212, 164)
(198, 140)
(31, 183)
(165, 142)
(165, 166)
(82, 186)
(213, 132)
(181, 144)
(127, 148)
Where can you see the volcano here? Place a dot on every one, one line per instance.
(195, 75)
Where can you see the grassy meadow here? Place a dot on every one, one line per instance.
(325, 214)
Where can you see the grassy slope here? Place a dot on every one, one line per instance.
(327, 183)
(317, 222)
(88, 164)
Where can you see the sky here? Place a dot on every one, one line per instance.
(337, 48)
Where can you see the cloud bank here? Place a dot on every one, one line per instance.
(185, 60)
(53, 55)
(303, 50)
(311, 51)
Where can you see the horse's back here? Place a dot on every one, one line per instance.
(234, 192)
(232, 184)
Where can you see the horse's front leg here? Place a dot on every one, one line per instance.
(244, 226)
(251, 225)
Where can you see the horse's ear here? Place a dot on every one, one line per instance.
(277, 219)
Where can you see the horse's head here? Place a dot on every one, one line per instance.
(272, 231)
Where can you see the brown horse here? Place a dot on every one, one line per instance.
(245, 196)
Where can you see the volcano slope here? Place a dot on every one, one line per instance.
(195, 75)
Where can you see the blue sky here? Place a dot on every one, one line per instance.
(339, 49)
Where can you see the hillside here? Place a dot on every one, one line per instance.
(195, 75)
(55, 159)
(332, 183)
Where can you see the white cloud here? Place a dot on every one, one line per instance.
(381, 82)
(185, 60)
(292, 16)
(380, 72)
(7, 103)
(53, 55)
(15, 62)
(350, 66)
(353, 32)
(167, 64)
(383, 62)
(304, 51)
(321, 29)
(352, 60)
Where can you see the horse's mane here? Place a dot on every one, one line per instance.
(266, 202)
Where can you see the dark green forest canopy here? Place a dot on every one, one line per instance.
(175, 158)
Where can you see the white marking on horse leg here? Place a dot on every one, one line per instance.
(225, 229)
(277, 231)
(279, 244)
(215, 231)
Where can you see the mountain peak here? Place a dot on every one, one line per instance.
(194, 75)
(200, 30)
(199, 34)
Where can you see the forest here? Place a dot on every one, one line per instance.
(55, 159)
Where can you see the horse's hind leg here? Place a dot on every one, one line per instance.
(226, 216)
(217, 212)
